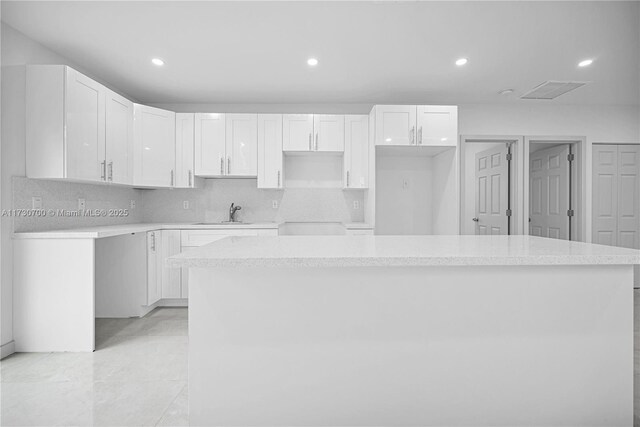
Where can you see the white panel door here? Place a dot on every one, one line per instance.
(297, 132)
(329, 132)
(492, 175)
(210, 144)
(395, 124)
(356, 151)
(605, 194)
(85, 128)
(119, 138)
(270, 151)
(154, 268)
(171, 277)
(628, 196)
(549, 192)
(185, 142)
(437, 125)
(242, 144)
(155, 150)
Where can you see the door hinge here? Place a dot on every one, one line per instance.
(509, 156)
(570, 212)
(571, 157)
(509, 212)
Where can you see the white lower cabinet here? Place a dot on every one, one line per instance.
(171, 277)
(154, 267)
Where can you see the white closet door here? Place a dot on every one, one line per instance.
(605, 195)
(549, 193)
(492, 175)
(628, 196)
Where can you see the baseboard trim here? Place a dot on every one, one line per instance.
(7, 349)
(173, 302)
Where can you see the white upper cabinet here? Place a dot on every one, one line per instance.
(119, 139)
(329, 132)
(210, 144)
(395, 124)
(297, 132)
(437, 125)
(270, 151)
(85, 131)
(416, 125)
(185, 158)
(242, 144)
(154, 147)
(356, 151)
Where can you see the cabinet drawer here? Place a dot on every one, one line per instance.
(203, 237)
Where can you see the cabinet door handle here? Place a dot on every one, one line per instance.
(221, 166)
(316, 141)
(172, 177)
(190, 177)
(228, 165)
(476, 219)
(278, 179)
(103, 167)
(111, 170)
(420, 135)
(310, 137)
(347, 178)
(412, 135)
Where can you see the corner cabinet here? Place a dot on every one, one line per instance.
(270, 173)
(422, 125)
(154, 147)
(356, 152)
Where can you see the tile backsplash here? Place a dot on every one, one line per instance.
(211, 203)
(207, 204)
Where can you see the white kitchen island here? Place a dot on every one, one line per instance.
(409, 330)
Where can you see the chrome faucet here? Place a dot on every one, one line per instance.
(232, 212)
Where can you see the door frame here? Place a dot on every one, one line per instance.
(517, 152)
(580, 185)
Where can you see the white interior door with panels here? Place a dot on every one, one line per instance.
(270, 173)
(356, 151)
(616, 198)
(492, 191)
(241, 145)
(210, 144)
(154, 146)
(119, 138)
(549, 192)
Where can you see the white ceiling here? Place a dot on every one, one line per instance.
(369, 52)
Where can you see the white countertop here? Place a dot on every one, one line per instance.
(118, 230)
(354, 251)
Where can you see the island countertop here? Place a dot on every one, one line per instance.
(370, 251)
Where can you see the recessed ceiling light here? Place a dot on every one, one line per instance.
(157, 62)
(312, 62)
(461, 61)
(585, 63)
(506, 92)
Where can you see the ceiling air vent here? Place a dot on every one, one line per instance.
(551, 89)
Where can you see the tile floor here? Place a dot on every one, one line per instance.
(136, 377)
